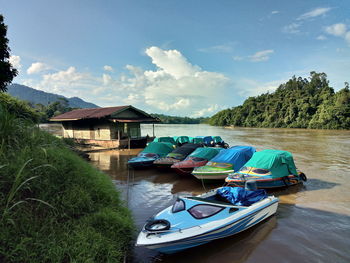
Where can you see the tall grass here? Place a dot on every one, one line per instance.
(55, 207)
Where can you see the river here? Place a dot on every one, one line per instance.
(312, 223)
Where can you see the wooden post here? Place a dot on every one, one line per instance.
(153, 130)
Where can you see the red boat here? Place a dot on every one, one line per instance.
(196, 159)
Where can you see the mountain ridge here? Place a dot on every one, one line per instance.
(35, 96)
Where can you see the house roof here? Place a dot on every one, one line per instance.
(94, 113)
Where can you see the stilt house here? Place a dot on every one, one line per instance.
(111, 126)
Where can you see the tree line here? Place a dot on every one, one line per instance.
(298, 103)
(166, 119)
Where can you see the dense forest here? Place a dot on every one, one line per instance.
(298, 103)
(179, 120)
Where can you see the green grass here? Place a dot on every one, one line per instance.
(54, 206)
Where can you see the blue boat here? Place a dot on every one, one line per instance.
(193, 221)
(152, 152)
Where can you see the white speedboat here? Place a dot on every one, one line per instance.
(193, 221)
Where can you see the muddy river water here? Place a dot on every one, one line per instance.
(312, 223)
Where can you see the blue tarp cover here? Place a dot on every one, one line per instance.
(237, 155)
(241, 196)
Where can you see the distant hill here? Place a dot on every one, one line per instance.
(37, 96)
(298, 103)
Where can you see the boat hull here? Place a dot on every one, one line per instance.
(218, 229)
(186, 167)
(266, 183)
(141, 162)
(219, 175)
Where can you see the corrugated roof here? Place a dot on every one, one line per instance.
(88, 113)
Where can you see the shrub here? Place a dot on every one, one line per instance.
(54, 206)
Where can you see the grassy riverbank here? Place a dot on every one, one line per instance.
(55, 207)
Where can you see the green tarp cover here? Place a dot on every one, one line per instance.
(182, 139)
(217, 139)
(205, 153)
(164, 139)
(197, 140)
(280, 163)
(160, 148)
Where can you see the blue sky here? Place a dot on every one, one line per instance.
(187, 58)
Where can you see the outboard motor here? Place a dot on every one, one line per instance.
(250, 185)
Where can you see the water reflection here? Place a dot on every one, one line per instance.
(234, 249)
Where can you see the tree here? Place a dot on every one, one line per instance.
(7, 72)
(298, 103)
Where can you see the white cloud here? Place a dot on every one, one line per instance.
(275, 12)
(238, 58)
(226, 48)
(321, 37)
(174, 86)
(108, 68)
(106, 79)
(208, 111)
(69, 82)
(37, 67)
(339, 30)
(314, 13)
(336, 29)
(171, 62)
(292, 28)
(347, 37)
(15, 62)
(261, 55)
(255, 88)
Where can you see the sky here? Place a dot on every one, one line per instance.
(184, 58)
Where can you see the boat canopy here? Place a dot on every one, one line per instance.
(205, 153)
(217, 139)
(184, 150)
(182, 139)
(160, 148)
(165, 139)
(206, 139)
(237, 155)
(280, 163)
(197, 140)
(241, 196)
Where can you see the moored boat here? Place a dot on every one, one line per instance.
(152, 152)
(181, 140)
(165, 139)
(205, 140)
(176, 155)
(270, 169)
(193, 221)
(196, 159)
(219, 142)
(227, 161)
